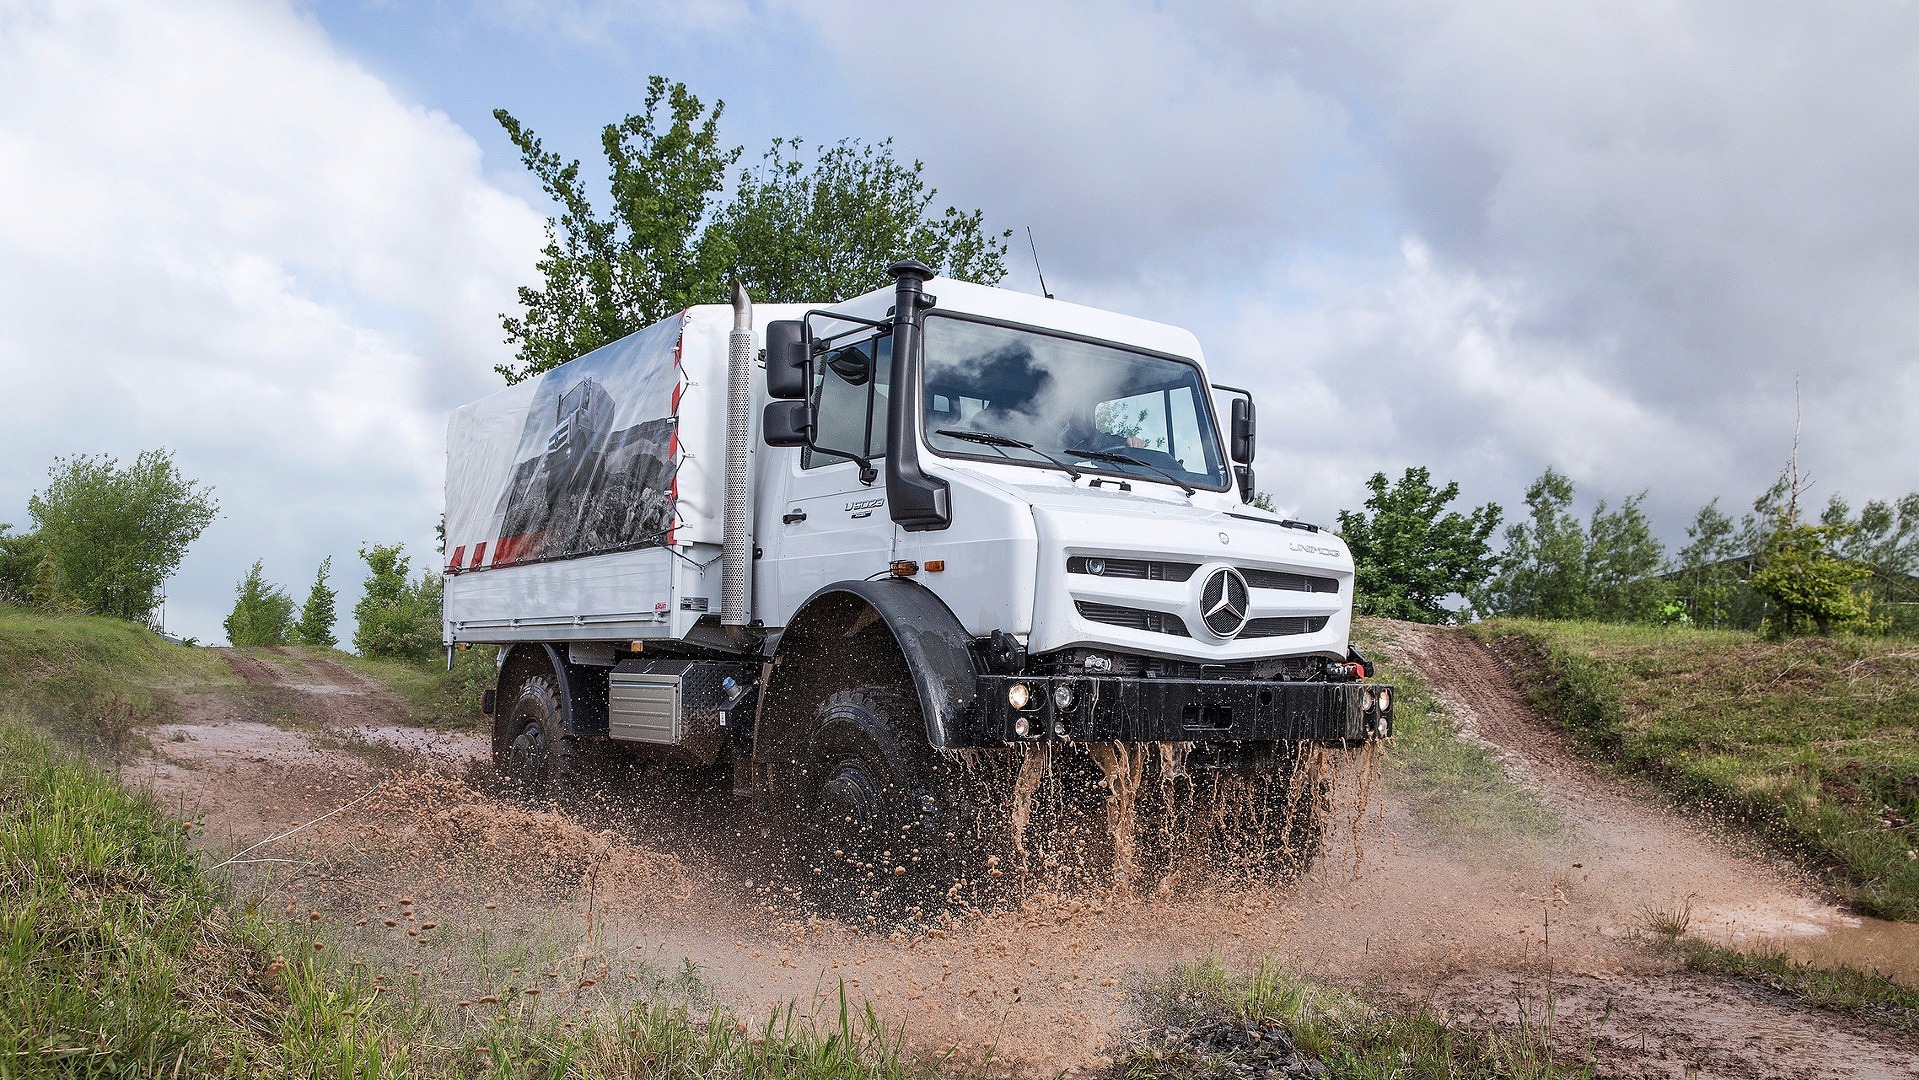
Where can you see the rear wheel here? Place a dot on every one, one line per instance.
(531, 747)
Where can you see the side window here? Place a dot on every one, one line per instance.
(850, 399)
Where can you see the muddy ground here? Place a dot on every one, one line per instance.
(431, 877)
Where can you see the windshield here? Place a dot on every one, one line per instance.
(1062, 395)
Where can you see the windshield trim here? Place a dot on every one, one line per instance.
(1205, 385)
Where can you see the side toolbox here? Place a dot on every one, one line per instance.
(683, 707)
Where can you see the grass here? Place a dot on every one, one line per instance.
(1350, 1036)
(119, 956)
(438, 697)
(1812, 743)
(1836, 989)
(1457, 787)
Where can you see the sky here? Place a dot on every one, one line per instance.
(1485, 237)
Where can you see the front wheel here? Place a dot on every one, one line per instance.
(872, 814)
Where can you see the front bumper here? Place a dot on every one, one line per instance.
(1125, 709)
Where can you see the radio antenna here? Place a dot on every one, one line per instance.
(1036, 269)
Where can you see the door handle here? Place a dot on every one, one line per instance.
(797, 515)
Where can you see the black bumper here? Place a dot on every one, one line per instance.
(1103, 709)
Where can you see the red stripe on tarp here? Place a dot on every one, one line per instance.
(459, 553)
(479, 554)
(673, 440)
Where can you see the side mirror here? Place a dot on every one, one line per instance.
(1245, 428)
(786, 356)
(1244, 475)
(786, 423)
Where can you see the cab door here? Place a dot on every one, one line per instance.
(834, 526)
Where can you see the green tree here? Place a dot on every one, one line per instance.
(20, 555)
(1543, 571)
(792, 231)
(1808, 586)
(397, 618)
(262, 612)
(317, 614)
(111, 535)
(1709, 576)
(796, 232)
(1411, 552)
(1623, 560)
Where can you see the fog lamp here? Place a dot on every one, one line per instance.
(1022, 727)
(1062, 696)
(1019, 695)
(1385, 698)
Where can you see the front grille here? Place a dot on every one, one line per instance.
(1284, 626)
(1134, 569)
(1280, 579)
(1286, 668)
(1153, 622)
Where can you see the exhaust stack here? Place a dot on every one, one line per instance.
(736, 530)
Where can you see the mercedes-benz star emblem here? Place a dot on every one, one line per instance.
(1222, 603)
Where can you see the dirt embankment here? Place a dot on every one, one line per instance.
(591, 901)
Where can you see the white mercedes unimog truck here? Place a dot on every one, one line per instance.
(857, 551)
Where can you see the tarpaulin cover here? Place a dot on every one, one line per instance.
(578, 461)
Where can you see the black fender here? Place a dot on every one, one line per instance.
(582, 695)
(929, 637)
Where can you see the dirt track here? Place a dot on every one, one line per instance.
(671, 885)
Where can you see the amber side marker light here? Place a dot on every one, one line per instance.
(904, 568)
(934, 566)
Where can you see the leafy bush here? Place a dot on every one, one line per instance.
(263, 613)
(396, 618)
(109, 536)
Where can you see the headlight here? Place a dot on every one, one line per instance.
(1019, 695)
(1062, 696)
(1022, 727)
(1385, 698)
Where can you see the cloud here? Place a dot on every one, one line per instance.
(218, 235)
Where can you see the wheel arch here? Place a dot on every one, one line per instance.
(583, 704)
(869, 626)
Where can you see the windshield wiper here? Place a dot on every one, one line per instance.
(1122, 459)
(987, 438)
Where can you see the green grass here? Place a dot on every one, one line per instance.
(1351, 1036)
(118, 956)
(437, 697)
(1813, 743)
(1458, 788)
(1836, 989)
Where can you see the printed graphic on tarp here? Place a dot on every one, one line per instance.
(594, 469)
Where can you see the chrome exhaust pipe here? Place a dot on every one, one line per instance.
(736, 521)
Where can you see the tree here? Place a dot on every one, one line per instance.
(1623, 560)
(315, 627)
(795, 233)
(670, 239)
(111, 535)
(1708, 577)
(1543, 573)
(1411, 553)
(20, 555)
(262, 613)
(396, 618)
(1809, 587)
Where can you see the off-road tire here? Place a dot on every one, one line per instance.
(531, 748)
(874, 819)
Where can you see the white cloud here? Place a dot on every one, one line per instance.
(218, 235)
